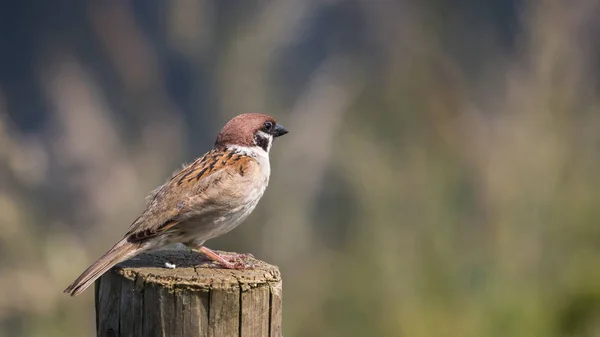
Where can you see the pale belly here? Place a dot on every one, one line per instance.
(197, 230)
(230, 221)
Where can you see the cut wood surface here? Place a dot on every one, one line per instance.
(142, 297)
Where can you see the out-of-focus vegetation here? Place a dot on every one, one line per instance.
(441, 176)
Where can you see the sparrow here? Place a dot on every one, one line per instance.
(205, 199)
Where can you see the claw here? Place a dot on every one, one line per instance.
(234, 257)
(228, 261)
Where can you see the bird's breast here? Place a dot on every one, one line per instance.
(231, 204)
(236, 215)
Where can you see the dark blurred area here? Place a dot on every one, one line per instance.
(441, 176)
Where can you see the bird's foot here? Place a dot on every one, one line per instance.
(228, 261)
(236, 256)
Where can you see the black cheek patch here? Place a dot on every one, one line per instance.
(262, 142)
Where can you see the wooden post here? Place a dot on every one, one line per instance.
(141, 297)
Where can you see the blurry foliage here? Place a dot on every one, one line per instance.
(440, 177)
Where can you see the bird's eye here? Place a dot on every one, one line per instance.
(268, 126)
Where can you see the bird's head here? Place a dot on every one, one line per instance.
(250, 130)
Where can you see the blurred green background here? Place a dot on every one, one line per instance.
(441, 176)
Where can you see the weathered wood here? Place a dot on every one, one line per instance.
(141, 297)
(276, 307)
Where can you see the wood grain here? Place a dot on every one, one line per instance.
(255, 311)
(141, 297)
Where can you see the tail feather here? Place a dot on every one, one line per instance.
(121, 251)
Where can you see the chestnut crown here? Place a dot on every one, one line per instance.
(250, 129)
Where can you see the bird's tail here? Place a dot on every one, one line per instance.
(121, 251)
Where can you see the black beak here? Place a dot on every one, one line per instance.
(279, 131)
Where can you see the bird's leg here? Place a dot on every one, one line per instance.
(227, 261)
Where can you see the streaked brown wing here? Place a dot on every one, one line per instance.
(149, 232)
(167, 207)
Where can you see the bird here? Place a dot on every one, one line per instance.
(205, 199)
